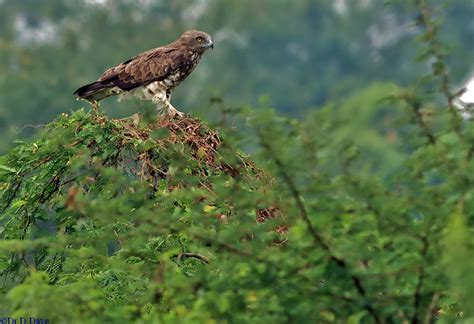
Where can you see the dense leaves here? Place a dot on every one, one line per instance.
(122, 220)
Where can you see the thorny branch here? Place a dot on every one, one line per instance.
(432, 308)
(416, 106)
(439, 68)
(421, 278)
(318, 238)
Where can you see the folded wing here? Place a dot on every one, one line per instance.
(143, 69)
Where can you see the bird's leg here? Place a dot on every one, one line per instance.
(170, 109)
(164, 106)
(159, 100)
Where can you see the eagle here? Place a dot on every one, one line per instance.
(151, 75)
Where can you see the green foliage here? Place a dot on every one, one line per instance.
(114, 202)
(117, 221)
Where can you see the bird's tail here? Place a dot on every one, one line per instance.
(94, 91)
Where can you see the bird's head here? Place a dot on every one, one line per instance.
(196, 40)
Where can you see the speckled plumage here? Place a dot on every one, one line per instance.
(151, 75)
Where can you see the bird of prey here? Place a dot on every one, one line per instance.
(151, 75)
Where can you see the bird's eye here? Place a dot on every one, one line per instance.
(199, 39)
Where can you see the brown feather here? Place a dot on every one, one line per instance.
(171, 64)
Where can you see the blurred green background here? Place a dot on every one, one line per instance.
(293, 55)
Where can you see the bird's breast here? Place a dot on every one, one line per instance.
(181, 73)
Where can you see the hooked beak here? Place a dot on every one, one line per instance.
(211, 45)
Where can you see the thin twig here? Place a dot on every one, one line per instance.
(421, 278)
(17, 132)
(439, 67)
(193, 255)
(416, 106)
(432, 308)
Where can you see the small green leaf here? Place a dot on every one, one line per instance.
(18, 203)
(356, 318)
(5, 168)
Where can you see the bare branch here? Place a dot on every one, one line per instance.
(193, 255)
